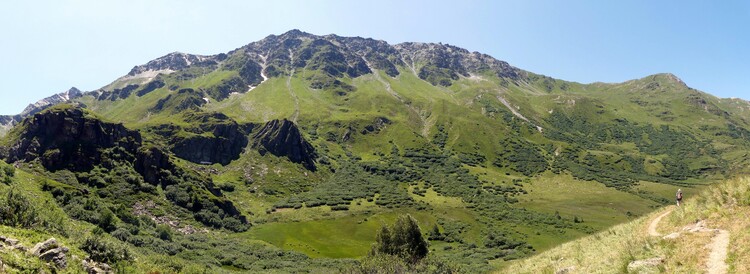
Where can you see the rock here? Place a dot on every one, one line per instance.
(672, 236)
(642, 265)
(282, 138)
(173, 62)
(70, 138)
(150, 162)
(566, 270)
(56, 256)
(377, 125)
(42, 247)
(9, 241)
(51, 251)
(183, 99)
(93, 267)
(215, 138)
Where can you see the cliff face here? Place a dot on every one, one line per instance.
(68, 138)
(282, 138)
(209, 138)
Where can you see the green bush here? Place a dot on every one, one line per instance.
(16, 210)
(105, 251)
(164, 232)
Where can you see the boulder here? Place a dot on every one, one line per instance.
(42, 247)
(645, 265)
(51, 251)
(9, 241)
(56, 256)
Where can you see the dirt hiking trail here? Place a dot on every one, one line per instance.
(718, 247)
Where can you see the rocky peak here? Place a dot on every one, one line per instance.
(62, 97)
(173, 62)
(668, 78)
(440, 63)
(282, 138)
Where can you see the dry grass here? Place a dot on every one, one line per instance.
(723, 206)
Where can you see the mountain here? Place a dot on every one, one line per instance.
(304, 146)
(8, 121)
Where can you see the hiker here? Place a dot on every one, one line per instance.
(679, 197)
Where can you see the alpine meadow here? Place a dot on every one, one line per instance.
(302, 153)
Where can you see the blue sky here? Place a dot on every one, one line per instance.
(50, 46)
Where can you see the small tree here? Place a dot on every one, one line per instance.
(403, 240)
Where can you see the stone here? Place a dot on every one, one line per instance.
(566, 270)
(56, 256)
(42, 247)
(93, 267)
(639, 266)
(9, 241)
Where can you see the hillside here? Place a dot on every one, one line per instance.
(707, 234)
(306, 145)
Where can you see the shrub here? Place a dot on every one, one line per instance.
(164, 232)
(105, 251)
(16, 210)
(9, 170)
(107, 220)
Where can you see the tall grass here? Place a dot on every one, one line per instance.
(724, 206)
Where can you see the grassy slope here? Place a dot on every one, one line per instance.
(723, 206)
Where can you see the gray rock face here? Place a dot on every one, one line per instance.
(62, 97)
(68, 138)
(338, 55)
(174, 61)
(283, 138)
(56, 256)
(210, 138)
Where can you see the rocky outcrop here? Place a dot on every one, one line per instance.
(51, 251)
(376, 126)
(173, 62)
(151, 163)
(151, 86)
(69, 138)
(181, 100)
(93, 267)
(440, 64)
(118, 93)
(210, 138)
(282, 138)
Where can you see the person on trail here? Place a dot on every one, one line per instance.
(679, 197)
